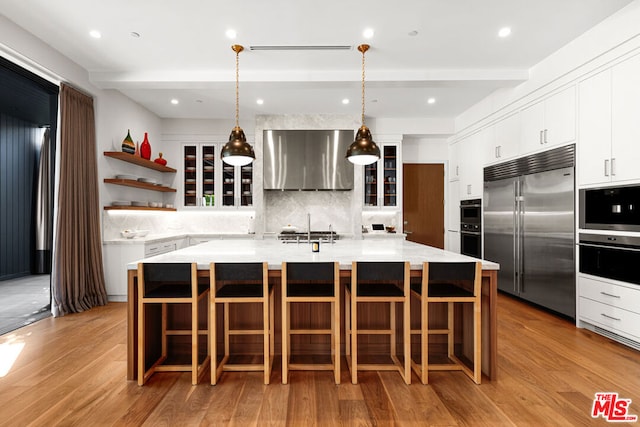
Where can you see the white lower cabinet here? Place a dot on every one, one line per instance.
(453, 241)
(117, 255)
(610, 306)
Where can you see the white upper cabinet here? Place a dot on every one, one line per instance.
(549, 122)
(470, 155)
(625, 120)
(609, 125)
(594, 125)
(506, 140)
(454, 162)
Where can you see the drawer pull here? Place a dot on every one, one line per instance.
(610, 295)
(610, 317)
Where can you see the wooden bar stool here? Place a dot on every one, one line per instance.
(449, 283)
(386, 282)
(241, 283)
(311, 282)
(160, 286)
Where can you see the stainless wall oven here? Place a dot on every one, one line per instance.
(471, 227)
(611, 257)
(610, 208)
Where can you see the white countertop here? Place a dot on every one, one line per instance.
(163, 237)
(274, 252)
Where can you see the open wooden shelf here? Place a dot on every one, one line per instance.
(130, 158)
(136, 208)
(138, 184)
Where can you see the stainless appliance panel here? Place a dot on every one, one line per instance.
(610, 257)
(529, 227)
(499, 224)
(307, 160)
(610, 208)
(547, 250)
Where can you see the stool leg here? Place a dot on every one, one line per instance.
(354, 337)
(406, 328)
(194, 340)
(392, 327)
(424, 340)
(336, 340)
(265, 327)
(272, 330)
(213, 328)
(477, 334)
(450, 328)
(285, 342)
(141, 341)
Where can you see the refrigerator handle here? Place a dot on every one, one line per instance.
(516, 241)
(521, 213)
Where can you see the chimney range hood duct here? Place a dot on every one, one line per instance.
(307, 160)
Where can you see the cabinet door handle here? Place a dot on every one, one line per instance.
(545, 136)
(499, 150)
(610, 295)
(541, 138)
(468, 188)
(606, 167)
(610, 317)
(613, 166)
(457, 172)
(495, 152)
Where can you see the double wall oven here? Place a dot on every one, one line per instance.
(471, 227)
(612, 250)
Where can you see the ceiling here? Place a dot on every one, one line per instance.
(446, 50)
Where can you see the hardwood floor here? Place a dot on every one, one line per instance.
(71, 371)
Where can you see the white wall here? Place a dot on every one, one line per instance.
(606, 42)
(425, 150)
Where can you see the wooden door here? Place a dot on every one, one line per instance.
(423, 203)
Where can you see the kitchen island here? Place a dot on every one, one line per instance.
(344, 252)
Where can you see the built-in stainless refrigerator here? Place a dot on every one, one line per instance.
(528, 219)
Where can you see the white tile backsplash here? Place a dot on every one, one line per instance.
(180, 222)
(326, 207)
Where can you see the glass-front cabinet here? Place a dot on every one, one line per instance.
(381, 179)
(208, 182)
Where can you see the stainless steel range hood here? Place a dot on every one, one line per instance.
(307, 160)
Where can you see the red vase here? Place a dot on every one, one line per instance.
(145, 148)
(161, 161)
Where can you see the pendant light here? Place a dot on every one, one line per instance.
(237, 152)
(363, 151)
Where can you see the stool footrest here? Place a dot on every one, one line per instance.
(310, 331)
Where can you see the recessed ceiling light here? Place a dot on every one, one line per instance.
(431, 101)
(232, 34)
(367, 33)
(175, 101)
(259, 101)
(345, 101)
(135, 35)
(504, 32)
(95, 34)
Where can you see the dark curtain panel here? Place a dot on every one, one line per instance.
(78, 277)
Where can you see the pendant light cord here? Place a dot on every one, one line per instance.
(363, 51)
(237, 88)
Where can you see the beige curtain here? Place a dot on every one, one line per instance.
(78, 277)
